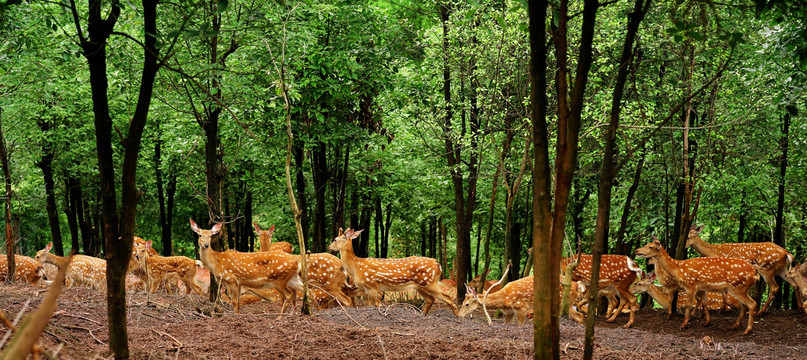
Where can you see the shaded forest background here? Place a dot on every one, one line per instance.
(381, 142)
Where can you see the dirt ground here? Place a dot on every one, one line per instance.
(180, 327)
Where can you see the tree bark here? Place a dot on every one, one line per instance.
(778, 233)
(10, 238)
(70, 211)
(46, 164)
(320, 176)
(621, 246)
(608, 170)
(302, 201)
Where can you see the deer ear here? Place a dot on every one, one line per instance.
(50, 246)
(356, 234)
(215, 229)
(148, 244)
(271, 229)
(255, 225)
(652, 276)
(340, 232)
(195, 227)
(701, 228)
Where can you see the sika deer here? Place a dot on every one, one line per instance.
(83, 270)
(26, 268)
(708, 274)
(474, 283)
(376, 275)
(265, 237)
(158, 267)
(515, 298)
(616, 270)
(768, 258)
(795, 275)
(663, 297)
(261, 270)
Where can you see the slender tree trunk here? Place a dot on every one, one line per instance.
(378, 226)
(302, 201)
(320, 175)
(608, 171)
(46, 164)
(165, 230)
(423, 238)
(433, 239)
(340, 183)
(778, 233)
(70, 212)
(10, 238)
(385, 229)
(621, 247)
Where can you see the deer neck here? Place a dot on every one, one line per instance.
(265, 240)
(209, 258)
(656, 292)
(349, 259)
(702, 247)
(57, 260)
(670, 265)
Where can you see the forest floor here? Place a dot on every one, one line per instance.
(180, 327)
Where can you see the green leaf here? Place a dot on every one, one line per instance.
(222, 5)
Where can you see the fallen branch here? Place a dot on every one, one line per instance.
(176, 342)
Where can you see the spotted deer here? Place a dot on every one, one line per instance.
(83, 270)
(474, 283)
(697, 275)
(662, 296)
(261, 270)
(514, 299)
(265, 238)
(795, 274)
(373, 275)
(26, 269)
(618, 271)
(134, 265)
(769, 259)
(159, 267)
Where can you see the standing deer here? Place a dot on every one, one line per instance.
(474, 283)
(83, 270)
(708, 274)
(374, 275)
(514, 299)
(158, 267)
(768, 258)
(663, 297)
(26, 269)
(795, 274)
(618, 271)
(265, 238)
(261, 270)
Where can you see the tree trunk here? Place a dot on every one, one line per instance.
(385, 229)
(320, 175)
(165, 230)
(608, 171)
(247, 234)
(340, 182)
(46, 164)
(433, 240)
(70, 211)
(378, 226)
(10, 239)
(621, 247)
(778, 234)
(302, 201)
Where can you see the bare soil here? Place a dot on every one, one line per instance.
(181, 327)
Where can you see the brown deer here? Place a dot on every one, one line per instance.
(514, 299)
(261, 270)
(769, 259)
(618, 271)
(474, 283)
(26, 269)
(265, 238)
(83, 270)
(158, 267)
(374, 275)
(663, 297)
(708, 274)
(795, 274)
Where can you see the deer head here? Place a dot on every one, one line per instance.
(205, 236)
(471, 302)
(42, 255)
(644, 283)
(342, 241)
(694, 233)
(650, 250)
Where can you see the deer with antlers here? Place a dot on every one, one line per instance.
(83, 270)
(769, 259)
(697, 275)
(265, 238)
(514, 299)
(159, 267)
(261, 270)
(26, 269)
(373, 275)
(617, 273)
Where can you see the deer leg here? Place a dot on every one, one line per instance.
(705, 305)
(773, 287)
(438, 294)
(691, 294)
(428, 298)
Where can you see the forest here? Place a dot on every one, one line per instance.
(477, 133)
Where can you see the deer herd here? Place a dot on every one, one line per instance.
(720, 279)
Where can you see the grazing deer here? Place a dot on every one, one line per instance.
(708, 274)
(374, 275)
(768, 258)
(261, 270)
(83, 270)
(265, 237)
(618, 271)
(26, 269)
(795, 274)
(515, 298)
(158, 267)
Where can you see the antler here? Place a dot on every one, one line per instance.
(485, 298)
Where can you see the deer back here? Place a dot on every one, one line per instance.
(397, 273)
(714, 273)
(515, 294)
(766, 255)
(26, 268)
(619, 269)
(254, 269)
(325, 269)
